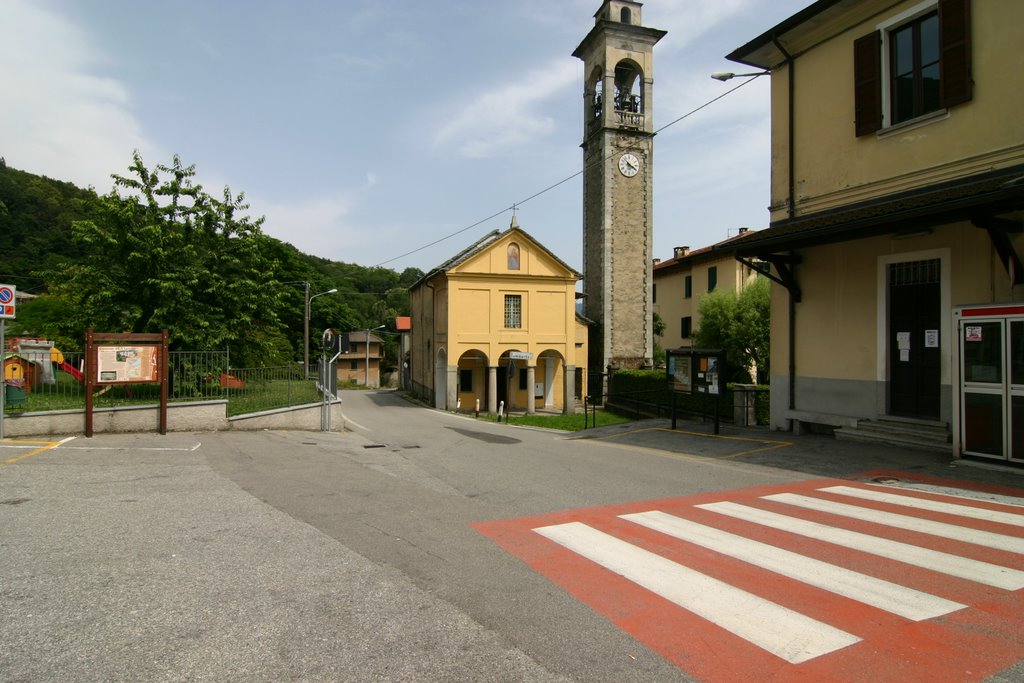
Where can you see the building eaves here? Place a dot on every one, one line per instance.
(763, 53)
(474, 248)
(481, 244)
(963, 199)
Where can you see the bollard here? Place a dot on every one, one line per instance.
(458, 404)
(478, 407)
(501, 409)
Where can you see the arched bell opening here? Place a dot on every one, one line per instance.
(629, 94)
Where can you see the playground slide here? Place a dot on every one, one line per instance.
(71, 370)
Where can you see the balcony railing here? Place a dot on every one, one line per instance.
(623, 119)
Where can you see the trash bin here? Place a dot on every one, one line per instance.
(13, 395)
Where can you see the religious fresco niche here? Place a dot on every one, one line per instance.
(513, 256)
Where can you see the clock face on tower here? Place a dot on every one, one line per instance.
(629, 165)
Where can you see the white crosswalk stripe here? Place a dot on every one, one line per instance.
(928, 504)
(770, 624)
(945, 563)
(787, 634)
(905, 602)
(925, 526)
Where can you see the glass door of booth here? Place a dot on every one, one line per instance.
(992, 384)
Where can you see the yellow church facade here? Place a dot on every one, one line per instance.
(495, 327)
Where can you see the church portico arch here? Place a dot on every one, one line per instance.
(473, 380)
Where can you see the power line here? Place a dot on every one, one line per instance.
(547, 189)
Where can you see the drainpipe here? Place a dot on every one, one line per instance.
(791, 86)
(790, 204)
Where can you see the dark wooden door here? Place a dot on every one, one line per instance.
(915, 361)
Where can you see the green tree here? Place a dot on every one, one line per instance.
(740, 325)
(162, 253)
(658, 325)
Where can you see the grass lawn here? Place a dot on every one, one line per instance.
(568, 423)
(268, 395)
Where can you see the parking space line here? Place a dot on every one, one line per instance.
(187, 449)
(47, 445)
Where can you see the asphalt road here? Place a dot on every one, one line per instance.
(273, 556)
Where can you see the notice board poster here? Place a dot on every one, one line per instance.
(680, 372)
(128, 363)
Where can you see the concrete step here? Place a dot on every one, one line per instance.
(931, 432)
(905, 432)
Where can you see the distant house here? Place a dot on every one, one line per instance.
(497, 323)
(683, 280)
(897, 198)
(361, 364)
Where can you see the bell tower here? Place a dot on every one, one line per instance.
(618, 149)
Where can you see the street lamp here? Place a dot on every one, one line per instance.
(306, 298)
(366, 381)
(305, 334)
(728, 75)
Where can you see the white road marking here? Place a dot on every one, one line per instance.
(927, 504)
(785, 633)
(902, 601)
(945, 563)
(132, 448)
(925, 526)
(33, 443)
(349, 420)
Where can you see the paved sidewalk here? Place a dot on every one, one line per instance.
(814, 454)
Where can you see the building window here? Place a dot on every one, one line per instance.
(654, 293)
(712, 278)
(914, 66)
(354, 365)
(686, 327)
(513, 311)
(688, 287)
(465, 380)
(917, 63)
(523, 386)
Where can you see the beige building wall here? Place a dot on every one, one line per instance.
(841, 325)
(834, 167)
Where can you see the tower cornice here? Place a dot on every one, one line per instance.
(614, 29)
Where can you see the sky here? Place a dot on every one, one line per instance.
(365, 131)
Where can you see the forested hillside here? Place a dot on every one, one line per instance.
(159, 251)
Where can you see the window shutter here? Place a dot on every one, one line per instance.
(955, 37)
(867, 83)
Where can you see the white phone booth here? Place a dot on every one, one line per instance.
(989, 415)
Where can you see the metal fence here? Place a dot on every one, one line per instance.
(41, 382)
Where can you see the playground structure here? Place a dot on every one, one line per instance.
(29, 362)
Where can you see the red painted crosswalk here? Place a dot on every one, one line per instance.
(822, 580)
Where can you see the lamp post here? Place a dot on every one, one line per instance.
(306, 298)
(366, 381)
(305, 333)
(728, 75)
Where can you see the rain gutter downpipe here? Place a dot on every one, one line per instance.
(790, 207)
